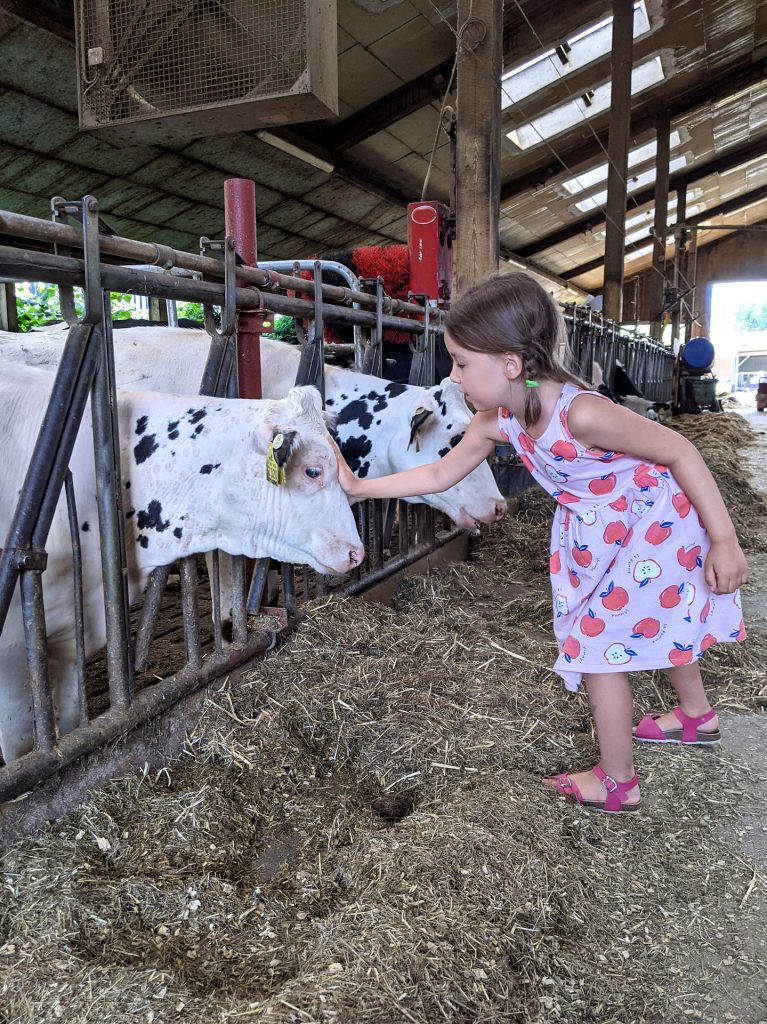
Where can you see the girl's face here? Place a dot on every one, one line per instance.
(481, 376)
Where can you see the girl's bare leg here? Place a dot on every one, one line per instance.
(688, 684)
(610, 698)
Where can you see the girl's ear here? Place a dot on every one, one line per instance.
(512, 365)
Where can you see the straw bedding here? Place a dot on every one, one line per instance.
(359, 834)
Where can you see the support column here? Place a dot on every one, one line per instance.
(680, 242)
(617, 155)
(9, 320)
(660, 226)
(480, 27)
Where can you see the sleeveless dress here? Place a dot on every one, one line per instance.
(627, 556)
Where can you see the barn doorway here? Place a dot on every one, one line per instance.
(739, 333)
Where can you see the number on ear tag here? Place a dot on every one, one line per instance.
(275, 474)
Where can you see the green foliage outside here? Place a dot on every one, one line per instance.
(285, 329)
(38, 304)
(189, 311)
(751, 316)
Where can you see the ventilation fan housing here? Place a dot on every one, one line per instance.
(175, 70)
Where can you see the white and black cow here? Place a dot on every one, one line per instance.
(625, 392)
(194, 477)
(382, 427)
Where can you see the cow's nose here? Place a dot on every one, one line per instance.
(356, 556)
(500, 510)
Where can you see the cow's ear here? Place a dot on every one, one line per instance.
(417, 421)
(283, 443)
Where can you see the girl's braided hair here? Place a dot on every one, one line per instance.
(512, 313)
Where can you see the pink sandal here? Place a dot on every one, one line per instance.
(648, 730)
(614, 803)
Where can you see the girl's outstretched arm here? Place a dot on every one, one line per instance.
(597, 423)
(476, 445)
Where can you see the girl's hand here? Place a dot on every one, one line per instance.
(346, 478)
(725, 569)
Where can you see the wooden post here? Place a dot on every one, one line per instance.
(660, 226)
(617, 156)
(9, 320)
(480, 27)
(680, 241)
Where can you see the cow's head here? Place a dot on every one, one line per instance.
(316, 524)
(437, 420)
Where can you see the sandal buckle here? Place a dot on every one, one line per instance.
(610, 784)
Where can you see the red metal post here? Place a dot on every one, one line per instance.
(240, 215)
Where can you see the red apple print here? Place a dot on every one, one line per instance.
(707, 641)
(582, 556)
(564, 450)
(615, 533)
(681, 503)
(644, 478)
(571, 648)
(526, 441)
(603, 484)
(705, 611)
(680, 655)
(740, 633)
(658, 532)
(555, 563)
(646, 628)
(572, 575)
(620, 504)
(614, 598)
(591, 625)
(671, 596)
(611, 456)
(661, 469)
(688, 558)
(525, 460)
(566, 498)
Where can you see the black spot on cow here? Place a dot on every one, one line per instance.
(394, 389)
(143, 541)
(141, 423)
(199, 428)
(195, 415)
(85, 527)
(381, 401)
(440, 402)
(209, 467)
(329, 401)
(144, 448)
(355, 412)
(378, 423)
(344, 397)
(173, 430)
(449, 426)
(177, 532)
(127, 485)
(354, 450)
(453, 442)
(363, 470)
(151, 518)
(130, 512)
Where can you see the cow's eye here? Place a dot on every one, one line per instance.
(313, 472)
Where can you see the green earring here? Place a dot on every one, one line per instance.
(531, 383)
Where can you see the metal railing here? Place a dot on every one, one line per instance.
(395, 534)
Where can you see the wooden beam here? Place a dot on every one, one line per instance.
(9, 319)
(569, 155)
(720, 210)
(477, 142)
(618, 155)
(658, 280)
(730, 158)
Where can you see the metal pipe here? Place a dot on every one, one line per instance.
(36, 640)
(26, 265)
(20, 225)
(79, 608)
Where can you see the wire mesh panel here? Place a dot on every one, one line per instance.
(152, 63)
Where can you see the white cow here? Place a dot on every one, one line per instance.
(382, 427)
(194, 475)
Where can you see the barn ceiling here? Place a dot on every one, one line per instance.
(702, 61)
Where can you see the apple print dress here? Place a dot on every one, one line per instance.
(627, 556)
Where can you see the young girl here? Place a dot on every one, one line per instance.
(639, 582)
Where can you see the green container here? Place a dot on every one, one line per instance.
(705, 390)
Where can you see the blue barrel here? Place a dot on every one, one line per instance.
(698, 355)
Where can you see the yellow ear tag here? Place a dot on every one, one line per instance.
(275, 473)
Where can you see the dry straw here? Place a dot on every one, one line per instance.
(359, 834)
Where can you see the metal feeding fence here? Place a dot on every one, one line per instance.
(70, 252)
